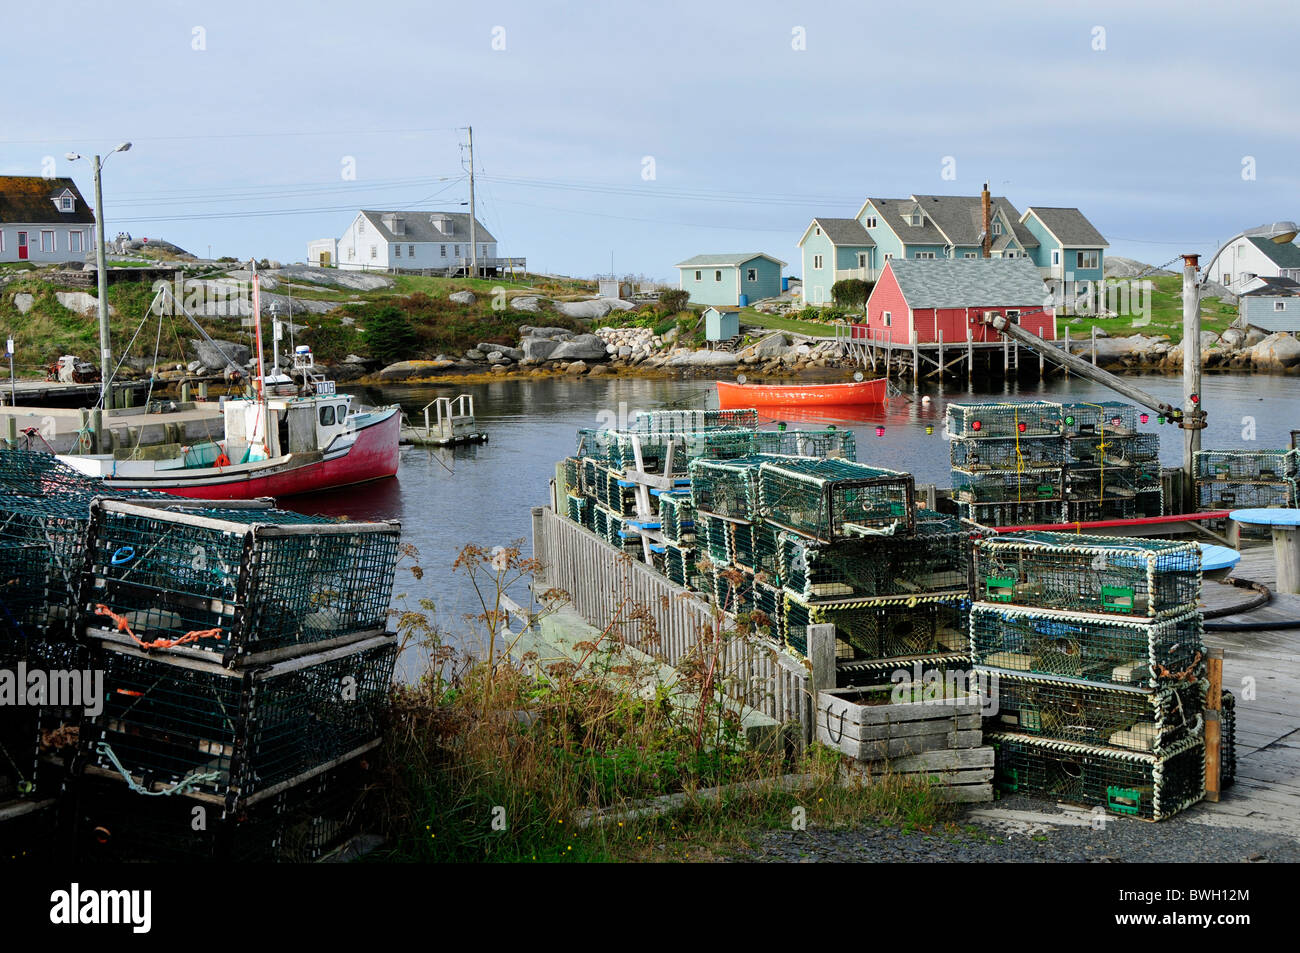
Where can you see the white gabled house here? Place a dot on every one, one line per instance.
(412, 241)
(44, 220)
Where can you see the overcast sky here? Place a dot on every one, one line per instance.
(657, 130)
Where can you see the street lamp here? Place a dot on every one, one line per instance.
(105, 347)
(1193, 419)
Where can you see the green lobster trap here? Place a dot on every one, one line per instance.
(1108, 418)
(188, 726)
(1143, 449)
(1135, 719)
(575, 508)
(1014, 421)
(1101, 649)
(828, 499)
(1134, 784)
(976, 456)
(114, 824)
(1218, 495)
(712, 538)
(1024, 513)
(681, 566)
(829, 443)
(686, 421)
(1123, 576)
(936, 559)
(1249, 466)
(252, 579)
(770, 601)
(677, 517)
(726, 487)
(883, 628)
(1008, 486)
(732, 589)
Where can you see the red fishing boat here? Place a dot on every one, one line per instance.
(289, 438)
(854, 393)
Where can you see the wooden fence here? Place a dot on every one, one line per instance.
(605, 586)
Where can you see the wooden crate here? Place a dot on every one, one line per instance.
(964, 775)
(848, 721)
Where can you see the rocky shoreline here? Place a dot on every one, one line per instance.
(638, 351)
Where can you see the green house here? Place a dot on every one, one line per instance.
(736, 280)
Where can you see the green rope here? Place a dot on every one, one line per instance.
(180, 787)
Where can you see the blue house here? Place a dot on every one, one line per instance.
(721, 322)
(834, 249)
(919, 227)
(735, 280)
(1069, 248)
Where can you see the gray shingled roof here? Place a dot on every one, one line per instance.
(969, 282)
(845, 231)
(419, 226)
(1284, 256)
(1275, 287)
(961, 218)
(893, 210)
(1069, 226)
(728, 260)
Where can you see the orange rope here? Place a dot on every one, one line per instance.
(122, 625)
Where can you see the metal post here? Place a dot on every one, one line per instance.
(1067, 350)
(13, 387)
(473, 226)
(101, 274)
(1193, 417)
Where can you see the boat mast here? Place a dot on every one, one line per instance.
(264, 411)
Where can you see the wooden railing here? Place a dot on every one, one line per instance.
(603, 584)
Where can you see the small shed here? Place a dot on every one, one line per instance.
(612, 287)
(721, 323)
(1275, 306)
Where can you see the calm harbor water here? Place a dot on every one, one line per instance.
(482, 494)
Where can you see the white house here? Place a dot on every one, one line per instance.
(410, 240)
(44, 220)
(1243, 264)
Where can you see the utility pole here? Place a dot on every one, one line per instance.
(473, 225)
(1193, 421)
(101, 274)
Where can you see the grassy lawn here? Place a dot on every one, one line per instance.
(777, 322)
(1166, 314)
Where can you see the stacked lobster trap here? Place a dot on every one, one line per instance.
(1246, 479)
(1036, 462)
(1093, 652)
(44, 516)
(247, 663)
(785, 526)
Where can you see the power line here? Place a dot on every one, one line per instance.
(237, 135)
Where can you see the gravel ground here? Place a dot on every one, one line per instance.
(978, 838)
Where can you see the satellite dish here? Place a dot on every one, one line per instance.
(857, 375)
(740, 379)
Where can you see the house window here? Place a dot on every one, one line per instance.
(397, 251)
(889, 256)
(75, 241)
(924, 254)
(751, 274)
(887, 318)
(1056, 256)
(456, 249)
(1279, 305)
(870, 222)
(66, 203)
(361, 226)
(717, 276)
(997, 228)
(817, 261)
(47, 240)
(699, 276)
(969, 254)
(410, 251)
(442, 251)
(1087, 259)
(916, 218)
(862, 259)
(373, 253)
(1013, 316)
(352, 254)
(817, 231)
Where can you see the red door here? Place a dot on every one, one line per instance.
(22, 246)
